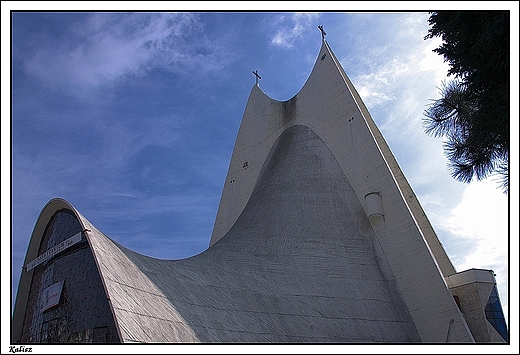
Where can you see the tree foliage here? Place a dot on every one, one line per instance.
(473, 111)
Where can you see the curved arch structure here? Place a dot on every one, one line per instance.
(293, 256)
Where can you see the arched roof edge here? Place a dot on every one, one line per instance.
(324, 45)
(24, 285)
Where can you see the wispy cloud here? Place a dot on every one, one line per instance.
(396, 75)
(108, 46)
(393, 58)
(375, 87)
(472, 222)
(483, 230)
(291, 27)
(434, 62)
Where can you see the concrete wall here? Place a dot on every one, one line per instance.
(300, 264)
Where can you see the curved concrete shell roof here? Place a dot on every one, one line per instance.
(293, 256)
(301, 264)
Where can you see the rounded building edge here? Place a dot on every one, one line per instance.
(22, 295)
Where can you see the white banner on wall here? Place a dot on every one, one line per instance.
(51, 296)
(76, 238)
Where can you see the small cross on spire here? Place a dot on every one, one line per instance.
(257, 76)
(323, 33)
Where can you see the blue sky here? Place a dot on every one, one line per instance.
(132, 118)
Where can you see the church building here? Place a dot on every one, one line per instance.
(318, 238)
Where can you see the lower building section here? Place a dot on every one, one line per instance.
(301, 264)
(66, 302)
(475, 291)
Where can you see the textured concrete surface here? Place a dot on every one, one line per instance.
(301, 264)
(330, 106)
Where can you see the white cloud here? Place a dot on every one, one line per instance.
(396, 64)
(481, 221)
(434, 62)
(109, 46)
(285, 37)
(398, 83)
(482, 218)
(376, 87)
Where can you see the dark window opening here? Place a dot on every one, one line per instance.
(495, 315)
(82, 313)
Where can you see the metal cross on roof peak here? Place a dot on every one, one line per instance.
(323, 33)
(257, 76)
